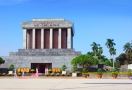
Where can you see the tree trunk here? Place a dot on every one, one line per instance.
(95, 53)
(113, 62)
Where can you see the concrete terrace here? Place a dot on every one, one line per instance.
(64, 83)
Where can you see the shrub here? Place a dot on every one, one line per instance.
(68, 74)
(32, 70)
(52, 74)
(19, 74)
(63, 67)
(100, 71)
(3, 74)
(9, 74)
(114, 73)
(57, 74)
(47, 74)
(50, 70)
(129, 73)
(74, 68)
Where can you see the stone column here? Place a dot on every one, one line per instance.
(59, 39)
(33, 39)
(69, 38)
(42, 38)
(51, 37)
(27, 39)
(24, 38)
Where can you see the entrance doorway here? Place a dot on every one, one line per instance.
(41, 66)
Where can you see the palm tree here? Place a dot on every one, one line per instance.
(100, 50)
(95, 47)
(112, 51)
(127, 48)
(110, 43)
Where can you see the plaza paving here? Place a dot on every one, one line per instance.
(66, 83)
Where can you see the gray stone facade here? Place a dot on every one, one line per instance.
(24, 57)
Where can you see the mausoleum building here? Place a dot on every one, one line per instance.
(47, 43)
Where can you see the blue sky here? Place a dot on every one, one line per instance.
(94, 21)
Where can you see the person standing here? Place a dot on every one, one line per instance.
(15, 74)
(46, 71)
(22, 73)
(36, 72)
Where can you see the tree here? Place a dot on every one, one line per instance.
(101, 58)
(2, 61)
(110, 43)
(112, 51)
(100, 50)
(127, 48)
(107, 63)
(84, 60)
(117, 63)
(95, 47)
(125, 58)
(11, 66)
(122, 58)
(91, 53)
(129, 58)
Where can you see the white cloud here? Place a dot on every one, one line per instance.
(12, 2)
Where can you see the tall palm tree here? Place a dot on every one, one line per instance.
(128, 48)
(110, 43)
(100, 50)
(112, 51)
(95, 47)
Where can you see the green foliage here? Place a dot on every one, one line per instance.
(52, 74)
(3, 74)
(50, 71)
(68, 74)
(86, 61)
(112, 51)
(19, 74)
(122, 58)
(2, 61)
(84, 70)
(128, 48)
(107, 63)
(74, 68)
(100, 72)
(125, 58)
(32, 70)
(11, 66)
(114, 70)
(117, 63)
(101, 58)
(100, 50)
(47, 74)
(129, 73)
(63, 67)
(57, 74)
(95, 47)
(114, 73)
(110, 43)
(129, 70)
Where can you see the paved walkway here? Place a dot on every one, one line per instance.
(44, 83)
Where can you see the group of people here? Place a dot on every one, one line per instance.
(15, 72)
